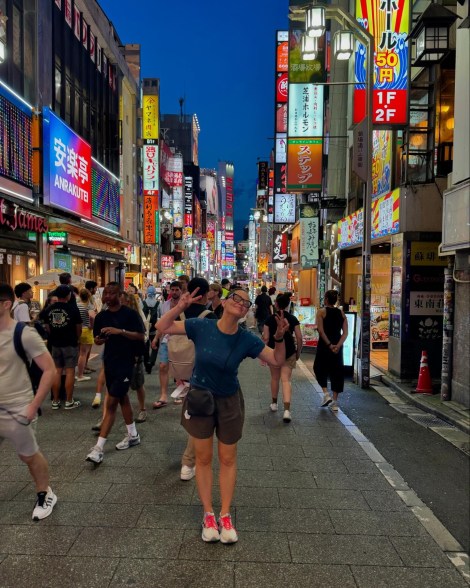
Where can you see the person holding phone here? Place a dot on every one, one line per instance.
(122, 331)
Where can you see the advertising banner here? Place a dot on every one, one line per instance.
(282, 54)
(174, 176)
(304, 164)
(150, 169)
(305, 110)
(150, 123)
(167, 262)
(309, 230)
(281, 87)
(150, 219)
(300, 71)
(388, 21)
(262, 175)
(284, 208)
(280, 250)
(188, 208)
(280, 178)
(67, 167)
(281, 148)
(281, 118)
(381, 162)
(385, 221)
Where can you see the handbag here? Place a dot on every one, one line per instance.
(200, 402)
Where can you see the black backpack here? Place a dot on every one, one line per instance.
(152, 314)
(34, 371)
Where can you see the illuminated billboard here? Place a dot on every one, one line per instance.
(67, 167)
(388, 21)
(304, 164)
(105, 196)
(305, 110)
(149, 117)
(284, 208)
(150, 169)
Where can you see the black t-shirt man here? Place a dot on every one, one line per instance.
(263, 305)
(119, 350)
(62, 319)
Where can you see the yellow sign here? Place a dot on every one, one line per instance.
(263, 261)
(150, 117)
(424, 253)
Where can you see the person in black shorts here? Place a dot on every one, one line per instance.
(122, 331)
(263, 308)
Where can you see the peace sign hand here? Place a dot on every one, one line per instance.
(187, 299)
(282, 325)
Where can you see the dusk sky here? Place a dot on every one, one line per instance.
(220, 57)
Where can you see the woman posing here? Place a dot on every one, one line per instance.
(332, 326)
(293, 348)
(220, 348)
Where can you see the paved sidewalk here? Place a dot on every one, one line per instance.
(315, 505)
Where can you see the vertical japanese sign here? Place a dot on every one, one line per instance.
(150, 135)
(280, 107)
(305, 110)
(188, 208)
(150, 116)
(67, 167)
(284, 208)
(150, 169)
(304, 164)
(280, 251)
(388, 21)
(309, 228)
(262, 175)
(150, 220)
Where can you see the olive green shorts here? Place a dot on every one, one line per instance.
(227, 420)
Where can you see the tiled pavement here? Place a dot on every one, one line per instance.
(315, 505)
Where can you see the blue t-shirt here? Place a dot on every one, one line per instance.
(218, 355)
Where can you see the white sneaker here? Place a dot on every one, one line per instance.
(227, 531)
(96, 402)
(72, 404)
(326, 400)
(44, 506)
(273, 406)
(128, 441)
(82, 378)
(187, 472)
(334, 406)
(210, 529)
(95, 455)
(287, 417)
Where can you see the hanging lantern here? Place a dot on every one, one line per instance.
(343, 45)
(315, 21)
(309, 47)
(430, 35)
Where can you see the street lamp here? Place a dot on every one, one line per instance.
(309, 47)
(343, 47)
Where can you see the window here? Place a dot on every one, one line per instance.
(68, 100)
(57, 88)
(17, 38)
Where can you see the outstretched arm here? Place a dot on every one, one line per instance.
(168, 323)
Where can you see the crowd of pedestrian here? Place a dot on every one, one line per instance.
(197, 335)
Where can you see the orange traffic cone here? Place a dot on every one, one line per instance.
(424, 379)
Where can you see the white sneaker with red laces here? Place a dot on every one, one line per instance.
(210, 530)
(228, 533)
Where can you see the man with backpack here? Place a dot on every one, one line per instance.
(181, 359)
(22, 306)
(18, 405)
(151, 311)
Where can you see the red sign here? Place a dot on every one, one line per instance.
(167, 261)
(150, 219)
(281, 87)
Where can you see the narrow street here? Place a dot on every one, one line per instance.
(315, 504)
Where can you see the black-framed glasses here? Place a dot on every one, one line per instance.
(240, 300)
(19, 418)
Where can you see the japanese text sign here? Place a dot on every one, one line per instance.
(388, 21)
(280, 253)
(67, 167)
(150, 219)
(284, 208)
(150, 117)
(305, 110)
(304, 164)
(309, 230)
(150, 169)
